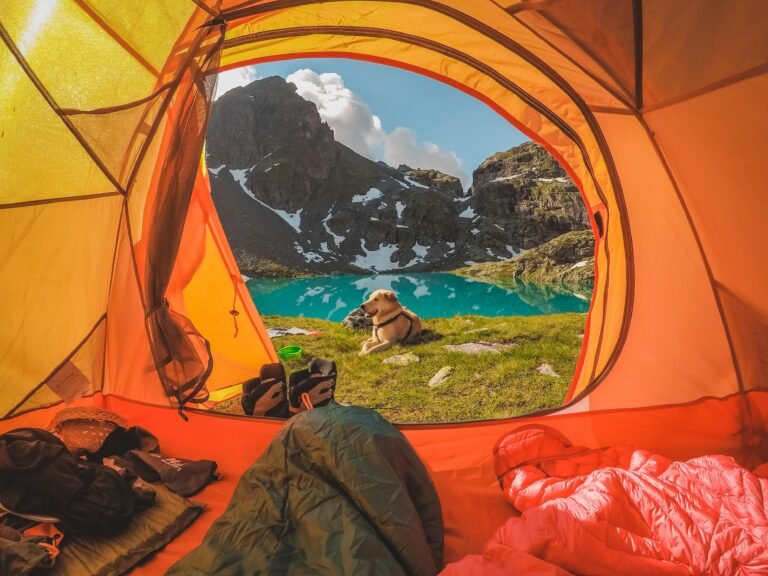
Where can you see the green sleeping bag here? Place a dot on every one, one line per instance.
(338, 491)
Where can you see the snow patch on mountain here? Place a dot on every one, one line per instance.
(363, 199)
(292, 219)
(337, 240)
(505, 178)
(378, 260)
(421, 254)
(412, 182)
(308, 255)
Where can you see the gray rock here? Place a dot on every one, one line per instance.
(547, 370)
(402, 359)
(441, 376)
(522, 198)
(479, 347)
(357, 320)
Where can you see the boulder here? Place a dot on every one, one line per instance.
(357, 320)
(479, 347)
(402, 359)
(547, 370)
(441, 376)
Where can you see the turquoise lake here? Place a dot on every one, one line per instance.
(431, 295)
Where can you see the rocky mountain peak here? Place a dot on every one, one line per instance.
(268, 130)
(527, 162)
(524, 198)
(289, 195)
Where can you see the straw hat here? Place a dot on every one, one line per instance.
(85, 428)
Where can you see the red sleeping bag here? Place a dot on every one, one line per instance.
(617, 511)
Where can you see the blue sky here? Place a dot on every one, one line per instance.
(393, 115)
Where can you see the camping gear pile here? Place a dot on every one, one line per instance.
(89, 477)
(118, 288)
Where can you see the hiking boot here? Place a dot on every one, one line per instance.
(266, 395)
(313, 387)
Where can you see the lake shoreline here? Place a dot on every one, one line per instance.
(429, 294)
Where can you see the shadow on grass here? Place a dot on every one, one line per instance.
(428, 335)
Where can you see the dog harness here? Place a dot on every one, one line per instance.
(410, 325)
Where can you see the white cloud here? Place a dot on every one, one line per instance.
(356, 126)
(230, 79)
(352, 121)
(402, 147)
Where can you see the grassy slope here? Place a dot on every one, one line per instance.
(483, 386)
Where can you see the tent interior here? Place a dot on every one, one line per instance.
(119, 289)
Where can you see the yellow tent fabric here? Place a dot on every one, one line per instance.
(116, 280)
(662, 132)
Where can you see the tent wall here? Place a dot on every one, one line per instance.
(656, 107)
(106, 107)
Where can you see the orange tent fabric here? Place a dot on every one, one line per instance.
(117, 285)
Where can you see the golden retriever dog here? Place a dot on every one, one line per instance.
(392, 322)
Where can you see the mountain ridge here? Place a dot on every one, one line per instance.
(289, 194)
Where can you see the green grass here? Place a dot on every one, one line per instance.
(483, 386)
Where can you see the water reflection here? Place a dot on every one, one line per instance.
(431, 295)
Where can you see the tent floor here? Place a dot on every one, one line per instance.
(459, 456)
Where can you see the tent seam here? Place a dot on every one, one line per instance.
(637, 25)
(700, 247)
(616, 93)
(55, 107)
(611, 110)
(602, 83)
(56, 368)
(529, 5)
(205, 8)
(122, 42)
(709, 88)
(118, 107)
(599, 346)
(58, 199)
(174, 85)
(138, 159)
(123, 209)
